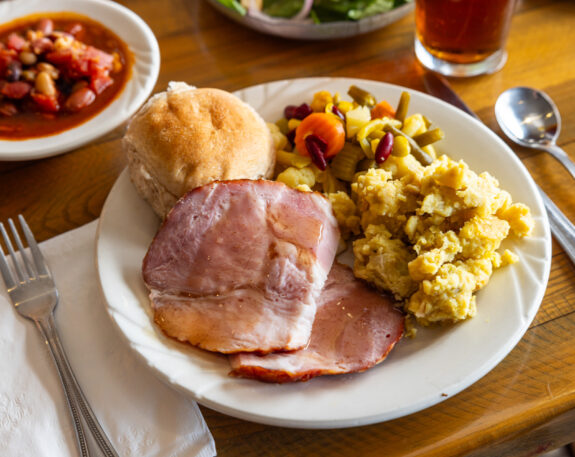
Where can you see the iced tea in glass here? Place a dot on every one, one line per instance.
(462, 37)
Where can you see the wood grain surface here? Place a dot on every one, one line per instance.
(526, 405)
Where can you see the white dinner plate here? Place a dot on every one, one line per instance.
(146, 66)
(308, 30)
(418, 373)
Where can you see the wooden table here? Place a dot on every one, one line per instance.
(527, 403)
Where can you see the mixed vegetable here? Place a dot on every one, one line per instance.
(323, 144)
(317, 10)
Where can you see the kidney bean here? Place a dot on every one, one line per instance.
(316, 147)
(291, 137)
(384, 148)
(335, 110)
(16, 90)
(80, 99)
(297, 112)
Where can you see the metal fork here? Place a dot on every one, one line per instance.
(34, 294)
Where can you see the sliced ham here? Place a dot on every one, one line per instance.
(237, 266)
(354, 329)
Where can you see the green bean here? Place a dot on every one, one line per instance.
(428, 137)
(402, 106)
(423, 157)
(361, 97)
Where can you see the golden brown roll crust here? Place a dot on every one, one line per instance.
(186, 137)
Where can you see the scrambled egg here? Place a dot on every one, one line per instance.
(430, 235)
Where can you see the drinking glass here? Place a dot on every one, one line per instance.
(462, 37)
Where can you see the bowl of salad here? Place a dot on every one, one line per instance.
(314, 19)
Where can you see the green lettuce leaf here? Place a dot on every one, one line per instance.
(234, 5)
(282, 8)
(350, 9)
(323, 10)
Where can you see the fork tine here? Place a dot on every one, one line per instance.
(25, 257)
(39, 261)
(5, 268)
(15, 262)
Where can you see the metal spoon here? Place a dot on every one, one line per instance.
(530, 118)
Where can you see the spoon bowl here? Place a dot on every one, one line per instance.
(530, 118)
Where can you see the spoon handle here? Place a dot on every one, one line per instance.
(562, 157)
(562, 228)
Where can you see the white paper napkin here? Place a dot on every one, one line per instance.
(142, 416)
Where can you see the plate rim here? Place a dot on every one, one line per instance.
(487, 365)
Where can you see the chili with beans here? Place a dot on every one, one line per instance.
(56, 72)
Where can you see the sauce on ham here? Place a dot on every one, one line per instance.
(30, 117)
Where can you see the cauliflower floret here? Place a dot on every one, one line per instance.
(320, 100)
(280, 141)
(295, 177)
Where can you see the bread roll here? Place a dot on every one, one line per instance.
(187, 137)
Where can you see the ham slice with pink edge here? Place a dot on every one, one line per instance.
(238, 265)
(355, 328)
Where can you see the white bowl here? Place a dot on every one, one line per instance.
(140, 40)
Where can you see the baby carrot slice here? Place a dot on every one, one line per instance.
(381, 110)
(324, 125)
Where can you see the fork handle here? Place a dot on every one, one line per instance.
(74, 394)
(48, 332)
(561, 227)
